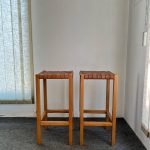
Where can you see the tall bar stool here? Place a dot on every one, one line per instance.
(110, 119)
(42, 121)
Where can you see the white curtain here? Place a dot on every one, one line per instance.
(15, 51)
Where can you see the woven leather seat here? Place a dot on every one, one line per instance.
(54, 74)
(97, 74)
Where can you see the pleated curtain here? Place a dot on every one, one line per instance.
(16, 75)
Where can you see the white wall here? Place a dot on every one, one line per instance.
(78, 35)
(135, 69)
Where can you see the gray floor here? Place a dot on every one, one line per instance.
(20, 134)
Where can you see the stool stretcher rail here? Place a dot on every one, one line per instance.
(94, 111)
(54, 123)
(96, 124)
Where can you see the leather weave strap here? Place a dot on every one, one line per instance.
(97, 74)
(54, 74)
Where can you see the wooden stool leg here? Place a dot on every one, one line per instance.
(81, 108)
(38, 110)
(115, 90)
(70, 108)
(107, 99)
(45, 99)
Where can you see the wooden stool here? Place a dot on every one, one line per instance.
(43, 121)
(110, 120)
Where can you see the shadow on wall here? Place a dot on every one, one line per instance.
(139, 101)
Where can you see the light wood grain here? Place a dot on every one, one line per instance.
(45, 98)
(96, 124)
(54, 123)
(115, 90)
(107, 98)
(70, 108)
(81, 107)
(38, 110)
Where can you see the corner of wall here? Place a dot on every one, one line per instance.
(126, 52)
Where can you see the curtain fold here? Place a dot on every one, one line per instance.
(16, 83)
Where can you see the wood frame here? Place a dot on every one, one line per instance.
(43, 121)
(110, 119)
